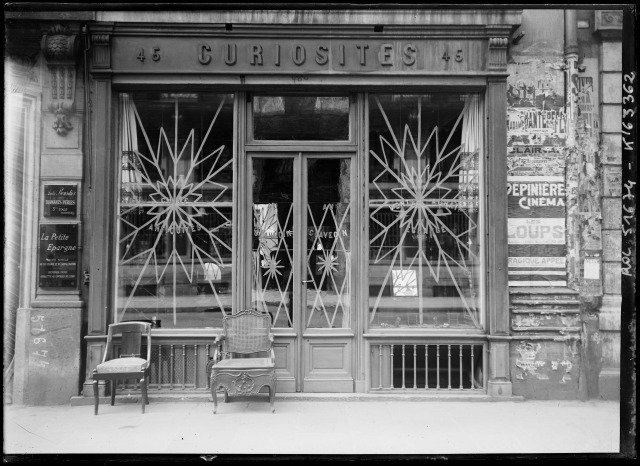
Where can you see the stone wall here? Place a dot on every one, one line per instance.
(581, 314)
(608, 27)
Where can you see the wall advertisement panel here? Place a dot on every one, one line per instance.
(536, 209)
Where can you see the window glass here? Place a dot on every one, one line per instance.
(424, 242)
(327, 290)
(272, 239)
(301, 118)
(175, 209)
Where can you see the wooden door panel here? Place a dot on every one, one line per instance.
(284, 350)
(328, 366)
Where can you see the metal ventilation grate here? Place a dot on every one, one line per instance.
(427, 367)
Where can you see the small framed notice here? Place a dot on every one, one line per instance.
(58, 258)
(404, 283)
(60, 200)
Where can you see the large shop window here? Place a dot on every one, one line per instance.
(424, 211)
(175, 209)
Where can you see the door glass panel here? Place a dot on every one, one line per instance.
(328, 255)
(272, 245)
(175, 208)
(301, 118)
(424, 191)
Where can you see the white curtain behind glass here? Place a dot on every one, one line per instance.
(130, 179)
(471, 146)
(471, 127)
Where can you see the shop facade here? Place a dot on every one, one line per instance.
(344, 171)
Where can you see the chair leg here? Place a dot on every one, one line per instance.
(272, 396)
(213, 394)
(113, 392)
(226, 395)
(143, 388)
(146, 386)
(95, 397)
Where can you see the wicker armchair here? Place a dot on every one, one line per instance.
(243, 361)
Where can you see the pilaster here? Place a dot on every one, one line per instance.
(99, 196)
(608, 26)
(496, 173)
(48, 327)
(499, 383)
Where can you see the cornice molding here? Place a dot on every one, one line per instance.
(335, 17)
(608, 24)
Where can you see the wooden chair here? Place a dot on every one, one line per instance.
(243, 361)
(127, 364)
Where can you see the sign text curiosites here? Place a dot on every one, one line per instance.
(297, 54)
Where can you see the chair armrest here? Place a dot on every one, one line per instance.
(216, 354)
(216, 347)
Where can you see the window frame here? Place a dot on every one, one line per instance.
(114, 214)
(282, 144)
(485, 207)
(359, 108)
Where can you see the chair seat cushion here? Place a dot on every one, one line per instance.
(245, 363)
(121, 365)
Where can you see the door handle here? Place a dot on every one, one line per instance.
(307, 281)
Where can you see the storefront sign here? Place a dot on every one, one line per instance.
(536, 194)
(297, 54)
(58, 258)
(60, 200)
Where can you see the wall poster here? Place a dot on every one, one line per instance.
(536, 211)
(536, 113)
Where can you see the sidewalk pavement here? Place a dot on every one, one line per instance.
(317, 425)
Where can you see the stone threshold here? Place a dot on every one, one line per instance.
(284, 397)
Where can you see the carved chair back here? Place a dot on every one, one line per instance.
(247, 332)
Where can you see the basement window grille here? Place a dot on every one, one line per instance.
(427, 367)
